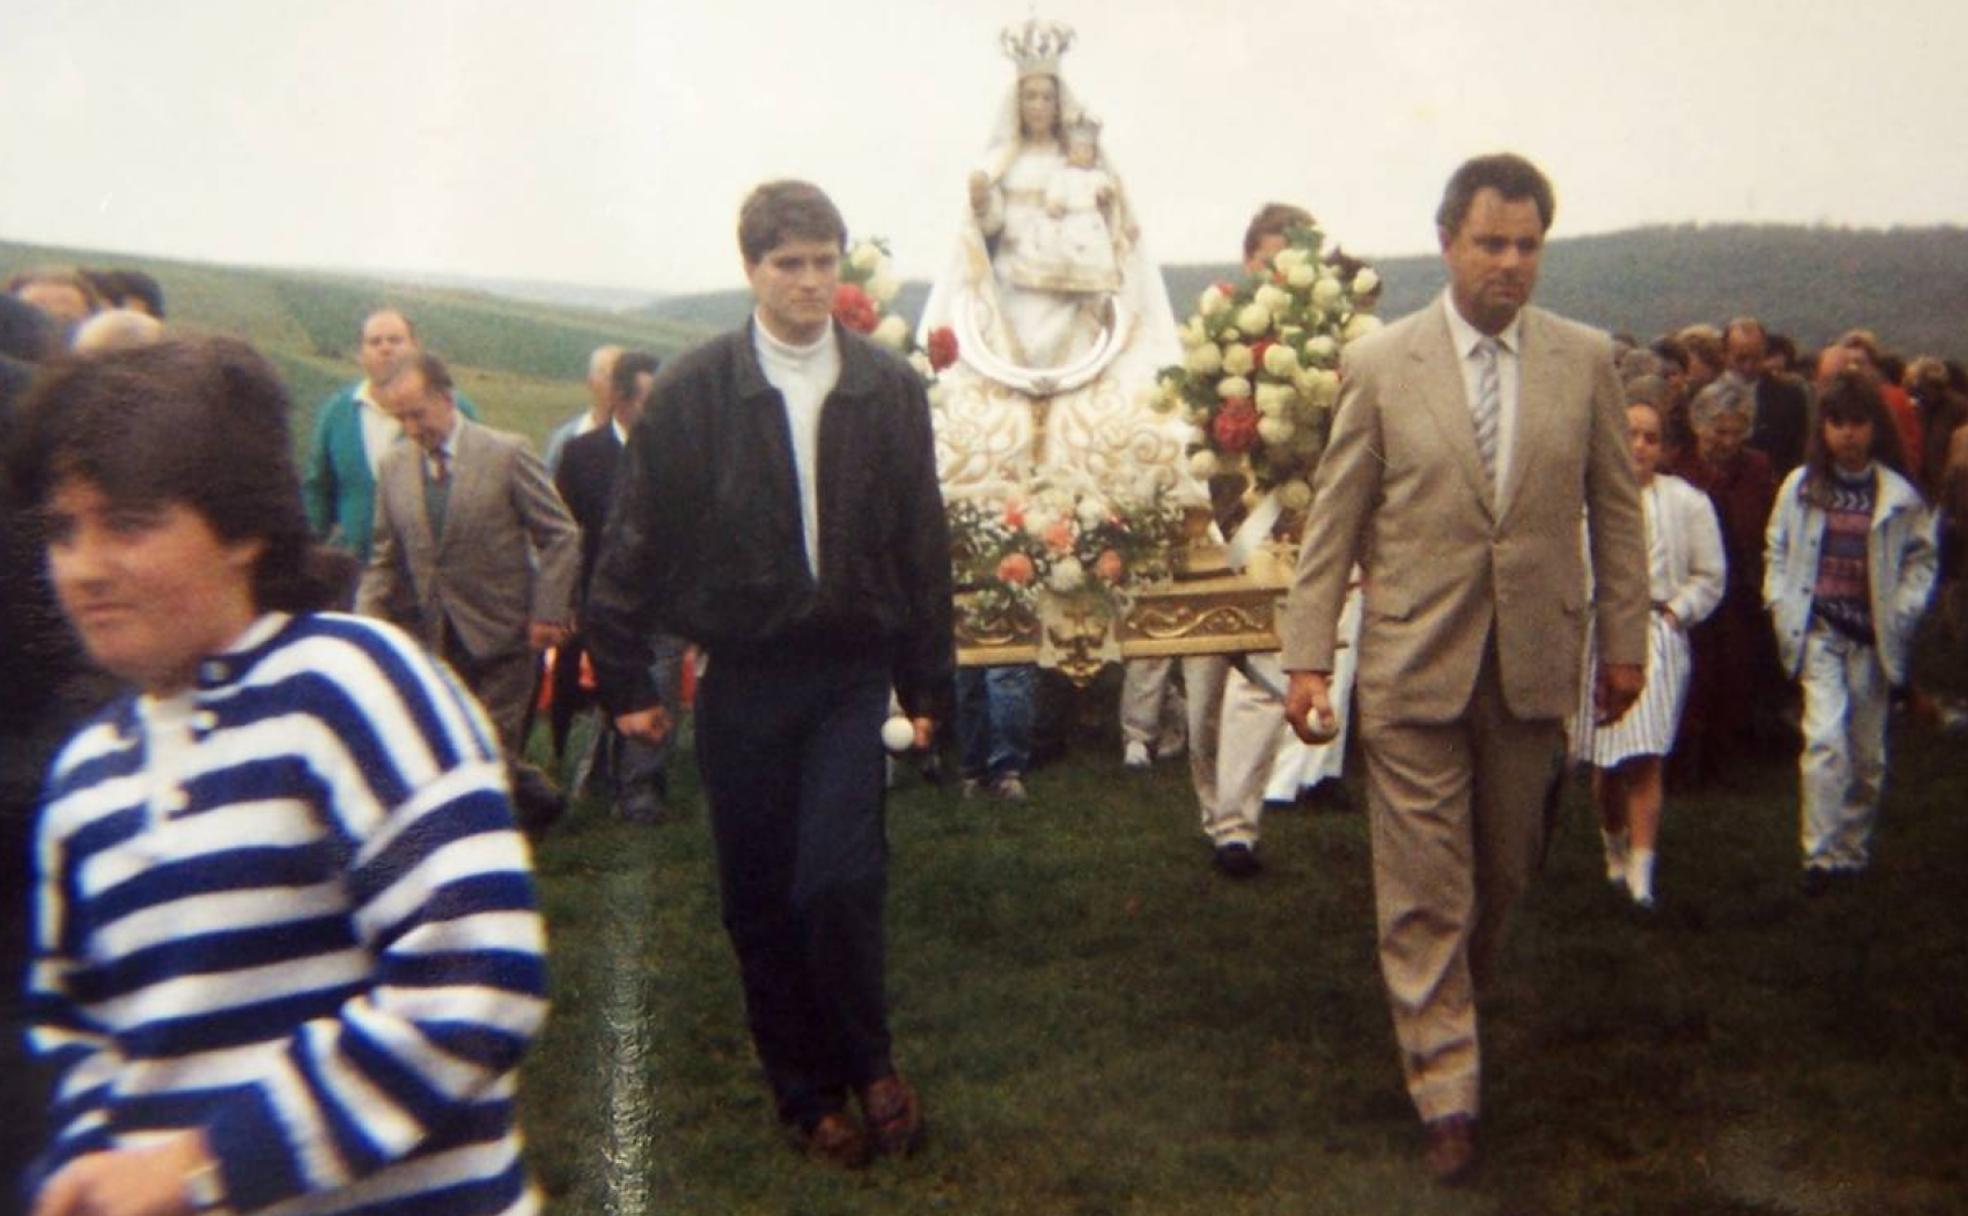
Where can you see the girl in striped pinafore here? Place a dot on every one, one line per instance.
(1686, 569)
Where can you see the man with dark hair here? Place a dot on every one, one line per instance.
(351, 435)
(63, 293)
(1270, 230)
(1470, 439)
(474, 554)
(1778, 420)
(635, 770)
(778, 506)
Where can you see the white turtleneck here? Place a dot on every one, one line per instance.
(804, 375)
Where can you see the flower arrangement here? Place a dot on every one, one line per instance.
(1259, 376)
(861, 303)
(1065, 541)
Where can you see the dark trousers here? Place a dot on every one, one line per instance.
(790, 752)
(23, 1081)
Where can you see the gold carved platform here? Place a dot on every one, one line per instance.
(1196, 613)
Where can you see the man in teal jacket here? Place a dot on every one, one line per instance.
(351, 433)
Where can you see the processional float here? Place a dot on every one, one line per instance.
(1092, 451)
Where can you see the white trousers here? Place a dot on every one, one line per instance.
(1843, 767)
(1143, 684)
(1246, 750)
(1302, 765)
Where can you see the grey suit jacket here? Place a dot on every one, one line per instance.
(509, 552)
(1448, 560)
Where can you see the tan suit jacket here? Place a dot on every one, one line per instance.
(1401, 488)
(509, 552)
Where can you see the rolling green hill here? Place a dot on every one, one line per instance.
(522, 362)
(1910, 285)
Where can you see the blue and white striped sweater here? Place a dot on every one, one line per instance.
(318, 941)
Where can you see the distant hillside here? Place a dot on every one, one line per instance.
(523, 362)
(1910, 285)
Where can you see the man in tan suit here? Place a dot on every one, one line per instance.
(474, 553)
(1470, 439)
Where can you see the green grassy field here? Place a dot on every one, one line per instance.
(523, 363)
(1101, 1025)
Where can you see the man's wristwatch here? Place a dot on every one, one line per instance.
(204, 1187)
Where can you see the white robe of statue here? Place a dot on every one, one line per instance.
(1050, 382)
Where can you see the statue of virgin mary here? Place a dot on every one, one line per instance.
(1055, 363)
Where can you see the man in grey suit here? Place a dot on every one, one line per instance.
(1470, 439)
(474, 553)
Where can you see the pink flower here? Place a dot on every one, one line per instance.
(1059, 536)
(1109, 565)
(1015, 569)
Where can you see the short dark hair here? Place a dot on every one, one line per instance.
(25, 331)
(140, 286)
(782, 211)
(436, 376)
(1274, 219)
(198, 421)
(632, 363)
(1505, 172)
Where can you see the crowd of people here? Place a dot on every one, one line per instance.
(271, 717)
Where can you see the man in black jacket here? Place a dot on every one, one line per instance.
(778, 506)
(636, 773)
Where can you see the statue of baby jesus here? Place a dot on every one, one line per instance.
(1075, 247)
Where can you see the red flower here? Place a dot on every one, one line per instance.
(942, 347)
(855, 308)
(1015, 569)
(1228, 289)
(1235, 425)
(1257, 352)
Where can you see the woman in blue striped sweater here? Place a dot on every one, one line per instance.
(287, 951)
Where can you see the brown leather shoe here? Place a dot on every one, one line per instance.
(894, 1115)
(1450, 1154)
(834, 1140)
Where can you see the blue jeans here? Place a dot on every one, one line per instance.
(632, 764)
(994, 720)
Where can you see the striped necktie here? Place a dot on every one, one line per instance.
(1486, 409)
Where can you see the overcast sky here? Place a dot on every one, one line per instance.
(609, 141)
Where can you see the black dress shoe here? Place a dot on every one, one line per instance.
(1450, 1152)
(1329, 795)
(1237, 860)
(536, 803)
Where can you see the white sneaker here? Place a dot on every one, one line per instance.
(1008, 788)
(1135, 755)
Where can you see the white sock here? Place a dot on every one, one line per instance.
(1640, 875)
(1616, 856)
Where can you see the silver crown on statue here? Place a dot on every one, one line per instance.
(1036, 46)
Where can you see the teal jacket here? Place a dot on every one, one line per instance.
(337, 486)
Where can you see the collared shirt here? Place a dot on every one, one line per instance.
(1467, 338)
(379, 430)
(450, 449)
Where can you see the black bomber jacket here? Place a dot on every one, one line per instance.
(704, 538)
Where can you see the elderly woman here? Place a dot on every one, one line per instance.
(286, 946)
(1738, 685)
